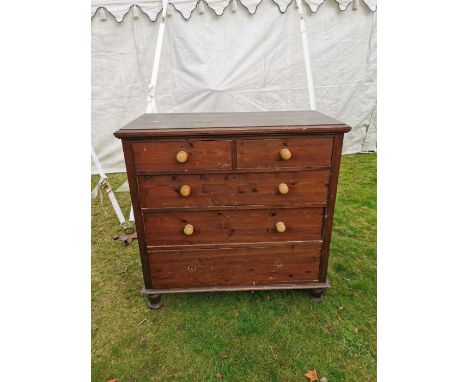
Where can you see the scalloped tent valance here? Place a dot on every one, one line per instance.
(119, 9)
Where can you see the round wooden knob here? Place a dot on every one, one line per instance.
(280, 227)
(185, 191)
(283, 188)
(188, 230)
(182, 156)
(285, 154)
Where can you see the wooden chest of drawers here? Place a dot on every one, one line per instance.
(233, 201)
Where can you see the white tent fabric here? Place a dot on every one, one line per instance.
(237, 62)
(151, 8)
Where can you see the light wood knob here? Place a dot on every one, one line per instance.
(182, 156)
(283, 188)
(185, 191)
(188, 230)
(280, 227)
(285, 154)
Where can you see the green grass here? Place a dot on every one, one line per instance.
(260, 336)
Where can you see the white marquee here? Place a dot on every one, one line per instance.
(238, 62)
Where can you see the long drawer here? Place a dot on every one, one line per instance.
(306, 152)
(265, 189)
(290, 264)
(187, 155)
(232, 226)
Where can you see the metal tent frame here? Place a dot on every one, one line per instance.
(128, 225)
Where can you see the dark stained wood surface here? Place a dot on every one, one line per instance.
(329, 211)
(234, 169)
(203, 155)
(243, 288)
(249, 189)
(230, 119)
(264, 153)
(135, 197)
(238, 266)
(242, 226)
(199, 124)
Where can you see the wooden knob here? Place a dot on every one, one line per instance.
(182, 156)
(285, 154)
(185, 191)
(188, 230)
(280, 227)
(283, 188)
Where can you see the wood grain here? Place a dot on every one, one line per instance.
(242, 226)
(240, 266)
(161, 155)
(244, 288)
(271, 122)
(233, 171)
(329, 211)
(135, 197)
(260, 189)
(264, 153)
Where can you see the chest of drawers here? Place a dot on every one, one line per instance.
(233, 201)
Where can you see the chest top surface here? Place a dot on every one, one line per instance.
(229, 123)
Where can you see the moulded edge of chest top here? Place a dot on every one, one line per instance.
(234, 132)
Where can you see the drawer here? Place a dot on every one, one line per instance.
(302, 188)
(292, 264)
(200, 155)
(232, 226)
(305, 153)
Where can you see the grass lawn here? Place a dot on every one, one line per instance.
(244, 336)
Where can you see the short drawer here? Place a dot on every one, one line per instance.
(266, 189)
(307, 152)
(232, 226)
(182, 155)
(291, 264)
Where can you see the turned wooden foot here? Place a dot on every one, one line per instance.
(316, 294)
(154, 301)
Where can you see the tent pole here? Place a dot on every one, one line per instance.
(105, 185)
(305, 46)
(131, 217)
(150, 102)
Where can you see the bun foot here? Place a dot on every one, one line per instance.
(316, 294)
(154, 301)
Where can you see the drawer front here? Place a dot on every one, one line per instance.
(302, 188)
(201, 155)
(228, 226)
(305, 153)
(235, 266)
